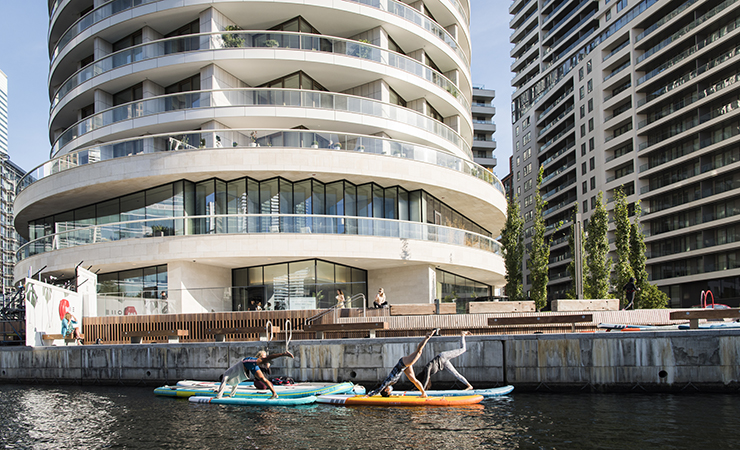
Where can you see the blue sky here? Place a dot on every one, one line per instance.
(24, 58)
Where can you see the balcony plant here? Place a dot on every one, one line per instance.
(271, 43)
(232, 40)
(315, 144)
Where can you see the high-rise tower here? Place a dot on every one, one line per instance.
(641, 94)
(226, 152)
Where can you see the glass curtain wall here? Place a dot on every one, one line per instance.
(309, 284)
(135, 291)
(460, 290)
(155, 208)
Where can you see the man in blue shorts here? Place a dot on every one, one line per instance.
(240, 372)
(404, 365)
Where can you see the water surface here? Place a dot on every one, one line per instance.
(73, 417)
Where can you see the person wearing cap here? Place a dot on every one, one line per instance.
(442, 362)
(404, 365)
(239, 372)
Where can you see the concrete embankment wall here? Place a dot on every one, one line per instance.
(654, 361)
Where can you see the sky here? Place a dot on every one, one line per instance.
(24, 58)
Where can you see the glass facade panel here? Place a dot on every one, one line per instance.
(276, 287)
(325, 290)
(237, 204)
(301, 275)
(159, 204)
(205, 205)
(108, 212)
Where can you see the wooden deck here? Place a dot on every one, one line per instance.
(110, 330)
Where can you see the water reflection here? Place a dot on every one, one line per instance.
(66, 417)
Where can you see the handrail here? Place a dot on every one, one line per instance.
(208, 140)
(114, 7)
(364, 302)
(235, 224)
(259, 97)
(255, 39)
(321, 314)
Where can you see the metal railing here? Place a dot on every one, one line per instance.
(209, 140)
(308, 224)
(257, 98)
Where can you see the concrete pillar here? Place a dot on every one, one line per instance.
(151, 89)
(198, 288)
(453, 122)
(103, 100)
(101, 48)
(403, 285)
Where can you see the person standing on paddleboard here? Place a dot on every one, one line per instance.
(239, 372)
(442, 362)
(404, 365)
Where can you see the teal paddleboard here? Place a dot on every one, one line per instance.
(246, 401)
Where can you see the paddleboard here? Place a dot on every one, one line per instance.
(208, 384)
(486, 393)
(287, 390)
(712, 325)
(398, 400)
(247, 401)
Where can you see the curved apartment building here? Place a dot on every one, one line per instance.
(229, 153)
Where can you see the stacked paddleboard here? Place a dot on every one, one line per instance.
(486, 393)
(247, 390)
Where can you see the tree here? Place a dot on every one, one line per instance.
(623, 271)
(512, 239)
(539, 257)
(597, 249)
(572, 294)
(649, 296)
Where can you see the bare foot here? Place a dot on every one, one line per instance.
(423, 395)
(469, 388)
(434, 331)
(465, 333)
(274, 397)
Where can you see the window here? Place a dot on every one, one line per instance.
(590, 105)
(517, 145)
(525, 123)
(583, 111)
(518, 175)
(527, 137)
(395, 98)
(527, 169)
(592, 163)
(518, 190)
(583, 149)
(591, 144)
(591, 124)
(584, 187)
(593, 182)
(582, 92)
(583, 169)
(434, 114)
(528, 216)
(590, 85)
(585, 206)
(518, 160)
(135, 92)
(588, 66)
(580, 74)
(593, 202)
(621, 5)
(528, 200)
(517, 130)
(527, 185)
(609, 15)
(527, 153)
(583, 130)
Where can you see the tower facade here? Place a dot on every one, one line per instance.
(484, 127)
(642, 95)
(228, 154)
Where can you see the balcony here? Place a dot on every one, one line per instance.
(205, 140)
(278, 40)
(307, 224)
(259, 98)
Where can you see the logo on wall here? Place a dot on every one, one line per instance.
(63, 308)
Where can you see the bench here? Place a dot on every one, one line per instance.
(423, 309)
(58, 337)
(221, 333)
(320, 328)
(708, 314)
(173, 336)
(543, 319)
(498, 307)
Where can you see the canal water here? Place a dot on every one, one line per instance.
(92, 417)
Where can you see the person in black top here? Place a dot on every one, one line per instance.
(629, 291)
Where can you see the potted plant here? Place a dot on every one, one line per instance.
(253, 136)
(271, 43)
(232, 40)
(315, 144)
(336, 146)
(202, 143)
(361, 148)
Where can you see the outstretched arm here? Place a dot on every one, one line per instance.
(273, 356)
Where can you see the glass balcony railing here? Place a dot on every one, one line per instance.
(257, 224)
(260, 40)
(202, 140)
(664, 19)
(556, 120)
(394, 7)
(555, 103)
(257, 98)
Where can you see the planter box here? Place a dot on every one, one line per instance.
(497, 307)
(606, 304)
